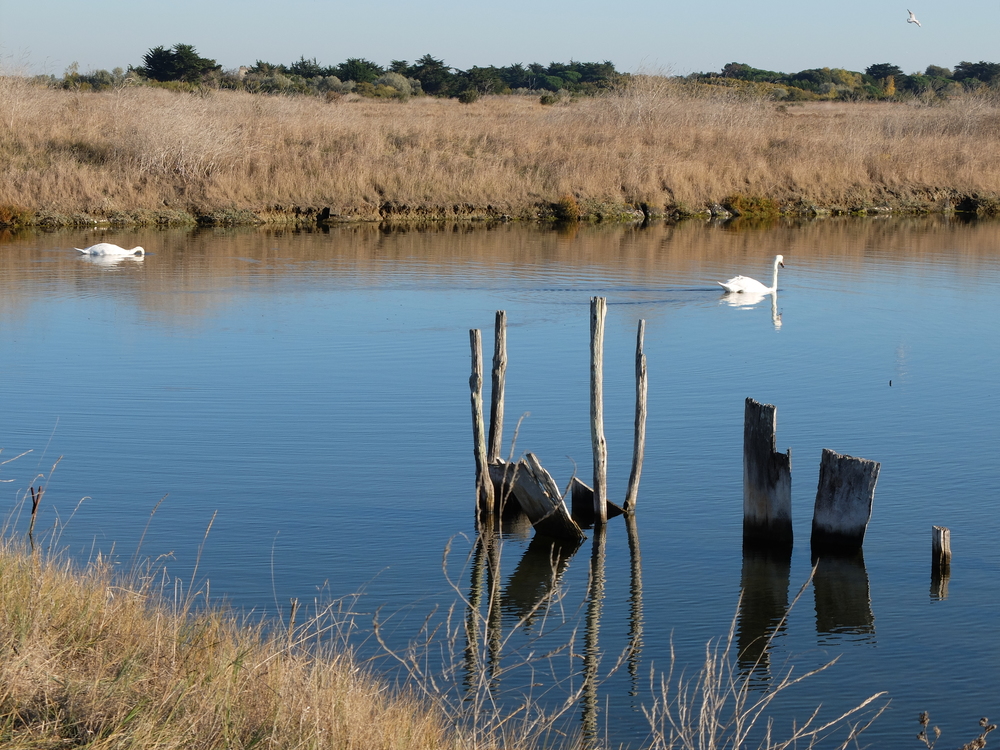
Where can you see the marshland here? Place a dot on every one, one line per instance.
(646, 146)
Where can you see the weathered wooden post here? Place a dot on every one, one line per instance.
(767, 479)
(484, 485)
(598, 311)
(639, 444)
(940, 561)
(499, 376)
(843, 501)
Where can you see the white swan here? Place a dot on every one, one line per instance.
(912, 18)
(746, 285)
(106, 248)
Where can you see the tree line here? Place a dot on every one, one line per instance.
(181, 66)
(878, 81)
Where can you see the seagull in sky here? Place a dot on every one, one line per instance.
(912, 18)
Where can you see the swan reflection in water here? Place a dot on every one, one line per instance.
(747, 300)
(111, 260)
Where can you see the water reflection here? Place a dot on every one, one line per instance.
(635, 602)
(111, 260)
(532, 586)
(764, 603)
(536, 576)
(747, 300)
(591, 645)
(843, 601)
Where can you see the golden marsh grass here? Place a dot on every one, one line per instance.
(652, 143)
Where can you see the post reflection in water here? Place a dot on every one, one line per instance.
(764, 603)
(843, 601)
(484, 583)
(536, 577)
(635, 603)
(534, 582)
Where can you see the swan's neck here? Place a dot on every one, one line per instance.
(774, 280)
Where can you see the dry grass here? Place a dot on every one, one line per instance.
(89, 660)
(653, 142)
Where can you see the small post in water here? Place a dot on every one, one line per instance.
(499, 376)
(843, 502)
(639, 444)
(940, 561)
(767, 479)
(598, 311)
(484, 485)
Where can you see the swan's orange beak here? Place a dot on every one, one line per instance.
(781, 263)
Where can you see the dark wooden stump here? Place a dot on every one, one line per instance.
(843, 502)
(767, 479)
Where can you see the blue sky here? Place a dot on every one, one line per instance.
(679, 37)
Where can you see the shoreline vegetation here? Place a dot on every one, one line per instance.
(105, 659)
(643, 147)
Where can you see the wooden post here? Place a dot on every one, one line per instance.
(499, 376)
(940, 561)
(843, 501)
(484, 485)
(639, 445)
(598, 311)
(767, 479)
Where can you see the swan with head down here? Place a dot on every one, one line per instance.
(107, 248)
(746, 285)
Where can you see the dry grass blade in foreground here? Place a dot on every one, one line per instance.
(719, 709)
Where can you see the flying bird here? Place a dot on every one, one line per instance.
(912, 18)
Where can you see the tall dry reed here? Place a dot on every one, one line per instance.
(92, 660)
(653, 141)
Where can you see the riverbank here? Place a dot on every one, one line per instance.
(147, 156)
(94, 659)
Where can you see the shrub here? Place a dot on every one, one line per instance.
(566, 208)
(468, 96)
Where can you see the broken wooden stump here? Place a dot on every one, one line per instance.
(843, 501)
(581, 503)
(598, 311)
(539, 497)
(767, 479)
(484, 484)
(639, 442)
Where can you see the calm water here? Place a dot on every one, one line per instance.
(310, 392)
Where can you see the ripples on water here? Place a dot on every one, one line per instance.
(313, 389)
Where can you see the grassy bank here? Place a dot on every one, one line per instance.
(91, 660)
(654, 147)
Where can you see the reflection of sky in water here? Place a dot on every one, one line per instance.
(313, 388)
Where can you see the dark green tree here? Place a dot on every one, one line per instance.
(881, 71)
(181, 63)
(435, 77)
(306, 68)
(359, 70)
(987, 72)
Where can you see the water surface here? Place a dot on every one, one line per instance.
(309, 391)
